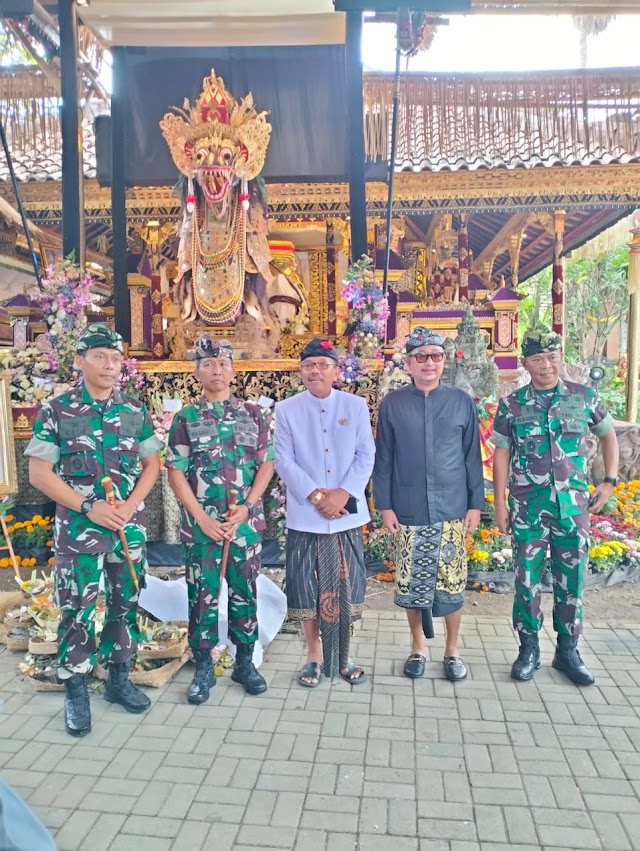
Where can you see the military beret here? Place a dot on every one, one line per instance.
(319, 348)
(537, 342)
(422, 336)
(98, 336)
(206, 347)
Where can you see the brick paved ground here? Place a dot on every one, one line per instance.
(488, 765)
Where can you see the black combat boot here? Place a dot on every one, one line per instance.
(77, 712)
(120, 689)
(244, 671)
(204, 678)
(568, 660)
(528, 660)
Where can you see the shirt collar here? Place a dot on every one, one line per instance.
(81, 394)
(560, 389)
(205, 405)
(436, 390)
(327, 400)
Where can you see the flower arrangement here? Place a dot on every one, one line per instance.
(131, 382)
(27, 536)
(351, 371)
(64, 298)
(34, 375)
(369, 310)
(393, 375)
(45, 370)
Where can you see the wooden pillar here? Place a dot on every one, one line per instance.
(121, 303)
(463, 258)
(355, 135)
(633, 335)
(557, 286)
(72, 207)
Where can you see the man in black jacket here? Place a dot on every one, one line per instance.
(428, 486)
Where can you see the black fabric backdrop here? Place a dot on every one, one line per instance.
(302, 87)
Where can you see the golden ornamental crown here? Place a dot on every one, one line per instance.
(218, 117)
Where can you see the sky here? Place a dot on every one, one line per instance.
(486, 43)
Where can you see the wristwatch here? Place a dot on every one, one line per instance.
(250, 507)
(611, 480)
(86, 506)
(316, 497)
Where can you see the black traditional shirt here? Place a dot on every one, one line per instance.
(428, 462)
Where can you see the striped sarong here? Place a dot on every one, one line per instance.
(431, 567)
(326, 579)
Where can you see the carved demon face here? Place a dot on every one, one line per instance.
(215, 160)
(218, 140)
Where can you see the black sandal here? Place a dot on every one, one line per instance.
(352, 670)
(311, 671)
(415, 666)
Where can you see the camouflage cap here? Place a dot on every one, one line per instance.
(421, 336)
(207, 347)
(318, 348)
(538, 342)
(99, 336)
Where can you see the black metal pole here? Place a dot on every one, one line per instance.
(23, 215)
(121, 303)
(355, 136)
(70, 126)
(392, 158)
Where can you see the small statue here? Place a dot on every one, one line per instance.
(473, 370)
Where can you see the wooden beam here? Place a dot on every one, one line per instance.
(501, 241)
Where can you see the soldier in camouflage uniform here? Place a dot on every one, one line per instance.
(80, 437)
(539, 434)
(218, 445)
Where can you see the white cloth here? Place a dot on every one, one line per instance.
(168, 601)
(323, 443)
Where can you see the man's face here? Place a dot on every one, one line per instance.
(215, 374)
(318, 375)
(544, 369)
(100, 367)
(428, 373)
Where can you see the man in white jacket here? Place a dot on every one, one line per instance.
(324, 455)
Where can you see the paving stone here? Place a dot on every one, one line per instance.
(75, 829)
(569, 837)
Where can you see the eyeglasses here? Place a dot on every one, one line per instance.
(307, 366)
(436, 357)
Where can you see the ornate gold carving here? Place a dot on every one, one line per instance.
(454, 189)
(216, 117)
(170, 366)
(318, 291)
(292, 344)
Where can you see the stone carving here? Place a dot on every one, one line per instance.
(472, 370)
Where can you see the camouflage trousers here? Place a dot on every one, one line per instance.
(77, 581)
(203, 584)
(534, 529)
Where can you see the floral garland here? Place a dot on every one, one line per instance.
(369, 310)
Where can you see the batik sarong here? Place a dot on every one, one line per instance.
(326, 580)
(431, 567)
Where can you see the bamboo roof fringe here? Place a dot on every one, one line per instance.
(473, 121)
(29, 106)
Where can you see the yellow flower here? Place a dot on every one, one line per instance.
(490, 498)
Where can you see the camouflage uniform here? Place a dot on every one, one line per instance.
(545, 431)
(219, 446)
(85, 440)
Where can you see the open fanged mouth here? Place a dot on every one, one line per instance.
(215, 181)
